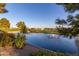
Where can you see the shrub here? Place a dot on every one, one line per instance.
(6, 40)
(20, 41)
(10, 40)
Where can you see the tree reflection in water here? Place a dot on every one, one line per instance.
(53, 36)
(77, 43)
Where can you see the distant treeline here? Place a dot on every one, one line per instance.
(44, 30)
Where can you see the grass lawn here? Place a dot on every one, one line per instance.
(13, 30)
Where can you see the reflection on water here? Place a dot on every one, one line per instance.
(53, 42)
(77, 43)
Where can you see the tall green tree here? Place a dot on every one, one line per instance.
(21, 25)
(72, 21)
(4, 23)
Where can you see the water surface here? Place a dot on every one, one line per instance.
(53, 43)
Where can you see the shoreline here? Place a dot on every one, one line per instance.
(27, 50)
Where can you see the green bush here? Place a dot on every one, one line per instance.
(10, 40)
(20, 41)
(6, 40)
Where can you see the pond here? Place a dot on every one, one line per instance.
(52, 42)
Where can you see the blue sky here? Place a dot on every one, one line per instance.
(34, 15)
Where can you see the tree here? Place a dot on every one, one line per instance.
(72, 21)
(21, 25)
(61, 22)
(3, 20)
(2, 8)
(70, 7)
(4, 23)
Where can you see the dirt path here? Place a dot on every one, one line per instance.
(27, 50)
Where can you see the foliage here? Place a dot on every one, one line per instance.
(21, 25)
(35, 30)
(44, 30)
(10, 40)
(47, 53)
(70, 7)
(20, 41)
(2, 8)
(6, 40)
(72, 22)
(4, 23)
(49, 30)
(61, 21)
